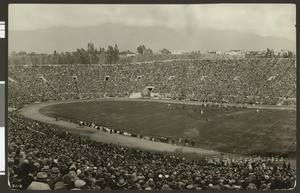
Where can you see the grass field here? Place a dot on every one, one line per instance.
(232, 130)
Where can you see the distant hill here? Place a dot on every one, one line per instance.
(129, 37)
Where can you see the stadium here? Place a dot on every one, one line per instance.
(167, 125)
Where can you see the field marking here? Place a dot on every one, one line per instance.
(291, 143)
(274, 138)
(209, 126)
(245, 131)
(229, 121)
(237, 126)
(227, 131)
(266, 129)
(255, 124)
(259, 134)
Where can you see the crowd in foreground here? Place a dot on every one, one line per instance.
(42, 157)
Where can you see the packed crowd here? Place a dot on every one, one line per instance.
(236, 81)
(42, 157)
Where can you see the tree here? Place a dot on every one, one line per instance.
(112, 54)
(13, 53)
(54, 58)
(92, 53)
(22, 53)
(61, 58)
(69, 58)
(116, 52)
(94, 58)
(141, 49)
(288, 54)
(90, 48)
(165, 51)
(148, 51)
(81, 56)
(269, 53)
(101, 50)
(109, 56)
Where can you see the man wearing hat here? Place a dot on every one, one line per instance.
(122, 185)
(102, 183)
(166, 187)
(173, 185)
(263, 186)
(54, 177)
(251, 186)
(73, 176)
(112, 184)
(42, 177)
(37, 164)
(67, 181)
(40, 183)
(46, 169)
(277, 183)
(136, 186)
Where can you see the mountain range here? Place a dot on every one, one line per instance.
(130, 37)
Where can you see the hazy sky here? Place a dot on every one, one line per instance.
(263, 19)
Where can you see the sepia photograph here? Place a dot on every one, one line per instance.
(151, 97)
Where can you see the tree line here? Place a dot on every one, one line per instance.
(270, 53)
(90, 55)
(112, 55)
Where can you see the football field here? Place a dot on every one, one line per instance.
(230, 129)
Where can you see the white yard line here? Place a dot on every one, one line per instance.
(293, 141)
(266, 130)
